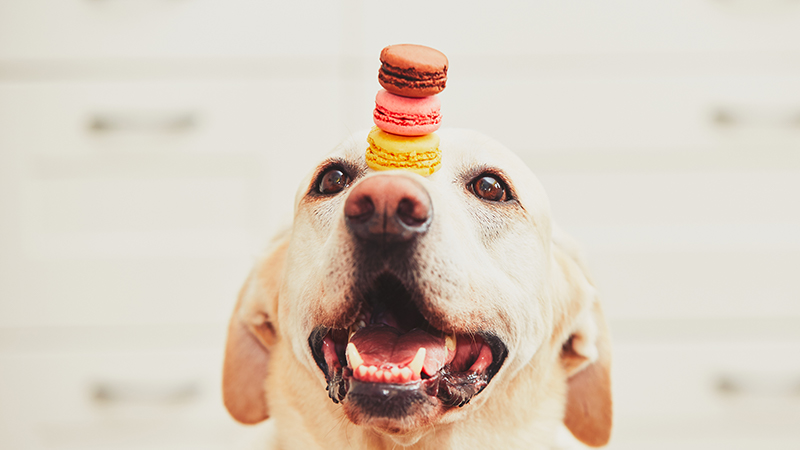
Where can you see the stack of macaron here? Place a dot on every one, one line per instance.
(407, 110)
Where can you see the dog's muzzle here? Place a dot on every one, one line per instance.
(388, 208)
(390, 362)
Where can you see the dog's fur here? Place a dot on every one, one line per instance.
(502, 267)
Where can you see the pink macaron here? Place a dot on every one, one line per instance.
(406, 116)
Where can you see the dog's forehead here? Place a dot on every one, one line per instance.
(462, 151)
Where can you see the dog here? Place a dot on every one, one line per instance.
(440, 312)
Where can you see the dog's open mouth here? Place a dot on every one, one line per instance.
(392, 357)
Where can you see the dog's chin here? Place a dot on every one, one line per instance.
(393, 371)
(394, 409)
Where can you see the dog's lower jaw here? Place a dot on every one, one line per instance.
(306, 418)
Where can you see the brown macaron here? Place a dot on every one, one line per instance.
(412, 70)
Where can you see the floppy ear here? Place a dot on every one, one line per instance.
(586, 357)
(589, 410)
(251, 334)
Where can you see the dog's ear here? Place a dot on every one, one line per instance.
(251, 333)
(585, 355)
(588, 362)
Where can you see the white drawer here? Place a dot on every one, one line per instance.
(159, 169)
(696, 285)
(686, 244)
(575, 112)
(612, 26)
(136, 399)
(111, 291)
(154, 28)
(76, 119)
(634, 114)
(712, 393)
(672, 204)
(57, 29)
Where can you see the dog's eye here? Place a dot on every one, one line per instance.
(333, 181)
(489, 188)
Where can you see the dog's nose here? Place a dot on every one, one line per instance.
(392, 208)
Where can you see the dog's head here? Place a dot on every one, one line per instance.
(418, 301)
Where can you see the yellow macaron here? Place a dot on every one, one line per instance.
(388, 151)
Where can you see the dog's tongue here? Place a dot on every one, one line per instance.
(381, 345)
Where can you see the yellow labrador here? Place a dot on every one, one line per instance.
(440, 312)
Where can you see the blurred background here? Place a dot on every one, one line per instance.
(150, 148)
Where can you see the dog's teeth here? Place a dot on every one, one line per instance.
(371, 370)
(405, 374)
(353, 358)
(355, 327)
(450, 341)
(362, 371)
(416, 364)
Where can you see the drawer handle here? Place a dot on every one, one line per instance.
(761, 385)
(147, 122)
(741, 117)
(111, 392)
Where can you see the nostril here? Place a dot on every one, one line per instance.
(389, 208)
(359, 209)
(412, 212)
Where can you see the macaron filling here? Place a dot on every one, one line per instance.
(411, 82)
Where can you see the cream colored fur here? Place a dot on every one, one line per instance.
(510, 268)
